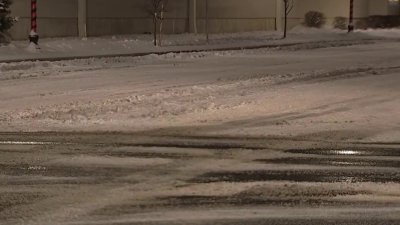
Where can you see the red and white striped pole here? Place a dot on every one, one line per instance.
(351, 17)
(33, 35)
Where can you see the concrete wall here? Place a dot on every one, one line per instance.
(394, 7)
(132, 16)
(55, 18)
(104, 17)
(330, 8)
(237, 15)
(378, 7)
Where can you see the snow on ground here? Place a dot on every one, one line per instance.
(131, 44)
(195, 122)
(313, 86)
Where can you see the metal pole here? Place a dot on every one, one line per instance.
(278, 18)
(33, 35)
(195, 16)
(82, 18)
(351, 24)
(207, 32)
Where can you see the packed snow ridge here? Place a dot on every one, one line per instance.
(199, 88)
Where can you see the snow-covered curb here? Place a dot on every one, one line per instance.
(141, 45)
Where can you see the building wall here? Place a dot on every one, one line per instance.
(330, 8)
(378, 7)
(132, 16)
(237, 15)
(56, 18)
(394, 7)
(104, 17)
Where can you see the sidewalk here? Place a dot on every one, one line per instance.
(58, 49)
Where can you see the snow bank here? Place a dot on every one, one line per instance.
(153, 91)
(382, 33)
(131, 44)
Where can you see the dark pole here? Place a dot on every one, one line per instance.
(33, 35)
(351, 25)
(207, 34)
(286, 3)
(155, 28)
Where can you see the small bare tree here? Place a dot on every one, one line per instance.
(157, 11)
(288, 7)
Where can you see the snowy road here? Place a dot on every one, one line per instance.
(294, 91)
(307, 134)
(119, 179)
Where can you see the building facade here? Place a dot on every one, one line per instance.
(103, 17)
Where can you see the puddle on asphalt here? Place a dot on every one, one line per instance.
(347, 152)
(333, 162)
(328, 176)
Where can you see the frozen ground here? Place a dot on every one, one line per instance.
(301, 134)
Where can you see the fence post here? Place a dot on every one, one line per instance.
(351, 17)
(33, 35)
(207, 23)
(82, 18)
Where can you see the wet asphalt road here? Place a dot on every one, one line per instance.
(50, 178)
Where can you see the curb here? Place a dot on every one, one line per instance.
(138, 54)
